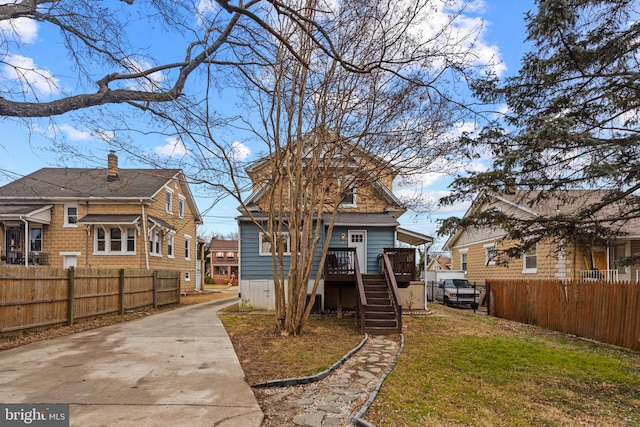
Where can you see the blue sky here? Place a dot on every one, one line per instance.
(22, 152)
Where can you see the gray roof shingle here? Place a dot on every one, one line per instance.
(83, 183)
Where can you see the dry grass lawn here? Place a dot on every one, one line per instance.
(266, 355)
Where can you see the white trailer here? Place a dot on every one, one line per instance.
(434, 277)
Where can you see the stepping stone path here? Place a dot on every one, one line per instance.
(336, 399)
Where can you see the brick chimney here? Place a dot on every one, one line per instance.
(112, 166)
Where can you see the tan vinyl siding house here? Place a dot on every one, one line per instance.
(107, 218)
(472, 249)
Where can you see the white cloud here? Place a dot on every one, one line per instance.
(34, 80)
(204, 8)
(460, 35)
(21, 30)
(173, 148)
(239, 151)
(74, 134)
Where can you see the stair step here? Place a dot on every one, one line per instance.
(381, 315)
(379, 308)
(380, 323)
(381, 331)
(376, 294)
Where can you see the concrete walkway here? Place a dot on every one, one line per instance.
(176, 368)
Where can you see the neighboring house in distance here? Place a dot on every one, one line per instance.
(439, 263)
(224, 261)
(108, 218)
(366, 225)
(474, 250)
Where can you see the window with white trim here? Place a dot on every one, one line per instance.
(231, 255)
(463, 259)
(349, 196)
(36, 240)
(187, 276)
(187, 247)
(530, 261)
(265, 244)
(170, 245)
(169, 201)
(70, 215)
(181, 201)
(219, 255)
(111, 240)
(155, 242)
(490, 253)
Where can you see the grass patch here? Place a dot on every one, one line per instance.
(265, 355)
(200, 297)
(463, 369)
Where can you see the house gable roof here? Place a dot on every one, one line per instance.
(85, 183)
(342, 146)
(529, 203)
(220, 245)
(67, 184)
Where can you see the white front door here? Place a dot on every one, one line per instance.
(358, 240)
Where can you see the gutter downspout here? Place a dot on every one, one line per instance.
(146, 235)
(26, 242)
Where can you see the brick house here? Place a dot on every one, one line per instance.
(224, 261)
(474, 250)
(97, 217)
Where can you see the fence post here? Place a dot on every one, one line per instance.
(121, 273)
(155, 289)
(71, 291)
(488, 286)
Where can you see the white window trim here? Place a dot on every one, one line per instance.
(487, 249)
(464, 252)
(181, 205)
(171, 237)
(68, 224)
(526, 270)
(351, 186)
(261, 241)
(168, 206)
(124, 238)
(153, 241)
(187, 243)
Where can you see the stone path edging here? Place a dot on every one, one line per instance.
(313, 378)
(357, 420)
(338, 397)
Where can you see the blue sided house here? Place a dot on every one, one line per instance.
(364, 265)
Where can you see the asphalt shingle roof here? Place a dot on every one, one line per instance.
(81, 183)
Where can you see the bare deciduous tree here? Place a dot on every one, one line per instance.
(338, 94)
(368, 106)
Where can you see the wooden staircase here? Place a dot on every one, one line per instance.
(379, 314)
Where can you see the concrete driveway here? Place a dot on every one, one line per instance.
(171, 369)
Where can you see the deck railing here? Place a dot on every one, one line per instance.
(396, 301)
(362, 298)
(608, 275)
(340, 264)
(403, 262)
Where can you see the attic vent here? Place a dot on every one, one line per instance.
(112, 166)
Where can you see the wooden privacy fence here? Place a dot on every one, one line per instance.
(39, 297)
(603, 311)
